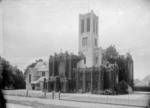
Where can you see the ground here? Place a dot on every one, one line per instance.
(10, 105)
(36, 99)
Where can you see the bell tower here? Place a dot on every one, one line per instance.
(88, 37)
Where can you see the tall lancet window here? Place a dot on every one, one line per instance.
(94, 25)
(82, 26)
(96, 28)
(95, 42)
(88, 24)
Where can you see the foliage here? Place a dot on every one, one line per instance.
(11, 77)
(7, 75)
(121, 64)
(106, 79)
(58, 85)
(18, 79)
(121, 87)
(113, 56)
(32, 65)
(109, 92)
(111, 53)
(0, 70)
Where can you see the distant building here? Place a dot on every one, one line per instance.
(147, 80)
(35, 76)
(141, 84)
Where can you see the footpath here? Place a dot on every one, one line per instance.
(65, 100)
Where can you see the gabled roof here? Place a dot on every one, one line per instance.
(33, 71)
(39, 65)
(141, 83)
(44, 67)
(147, 79)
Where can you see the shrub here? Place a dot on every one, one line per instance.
(109, 92)
(121, 87)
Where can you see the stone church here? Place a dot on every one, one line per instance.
(89, 71)
(86, 71)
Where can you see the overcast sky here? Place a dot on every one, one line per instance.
(33, 29)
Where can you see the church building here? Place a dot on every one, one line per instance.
(89, 71)
(83, 72)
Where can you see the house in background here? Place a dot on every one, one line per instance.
(147, 80)
(35, 76)
(142, 83)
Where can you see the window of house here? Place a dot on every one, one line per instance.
(43, 73)
(29, 78)
(84, 41)
(95, 42)
(82, 26)
(88, 24)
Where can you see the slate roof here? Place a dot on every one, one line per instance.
(44, 67)
(34, 71)
(38, 65)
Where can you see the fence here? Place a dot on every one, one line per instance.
(129, 100)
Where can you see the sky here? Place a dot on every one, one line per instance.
(33, 29)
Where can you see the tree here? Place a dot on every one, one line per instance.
(39, 60)
(7, 79)
(111, 53)
(1, 71)
(19, 80)
(121, 64)
(113, 56)
(11, 76)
